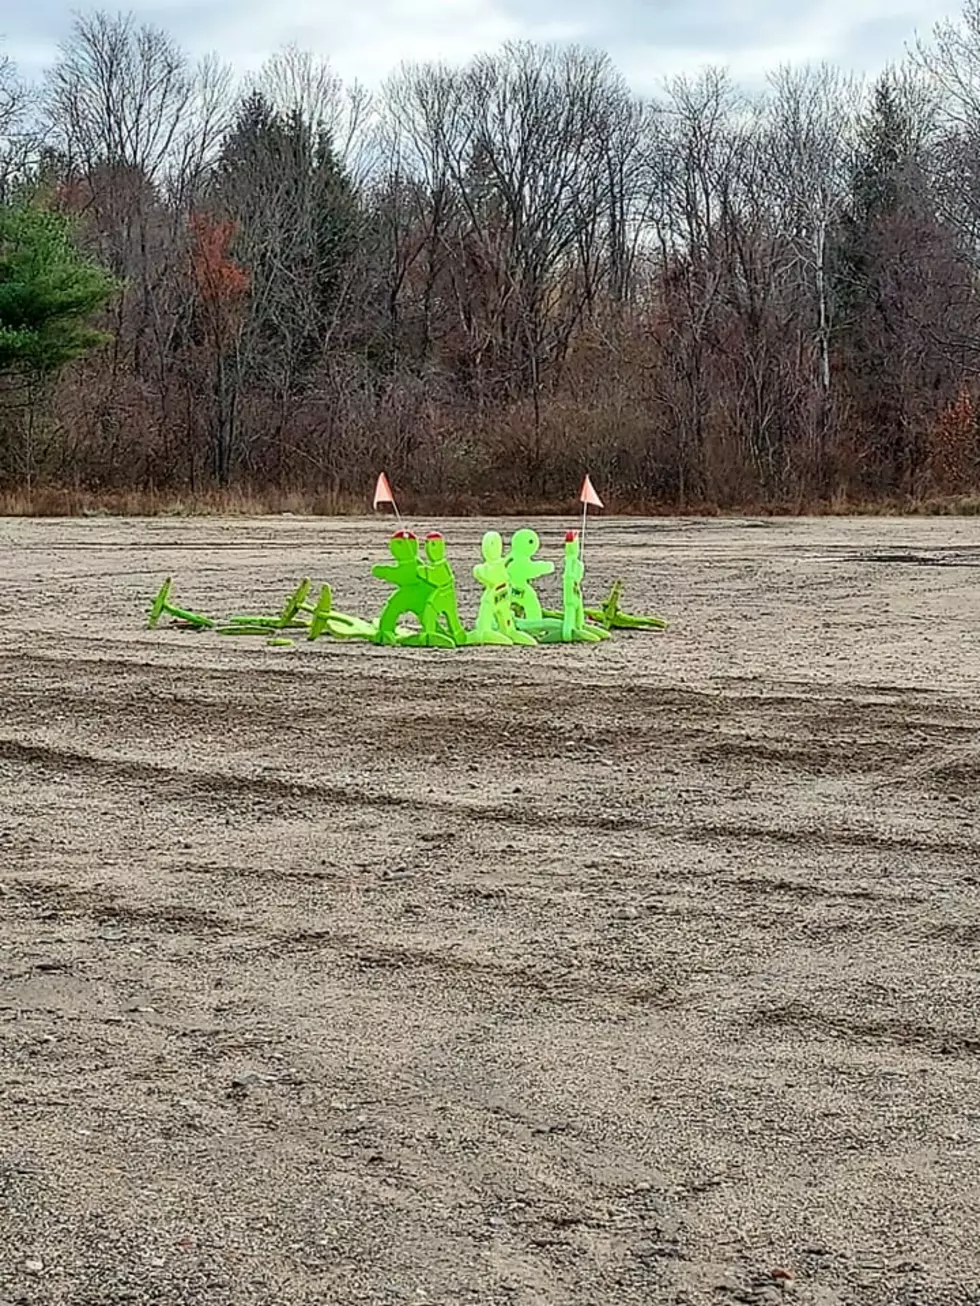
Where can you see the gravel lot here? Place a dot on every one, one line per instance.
(573, 975)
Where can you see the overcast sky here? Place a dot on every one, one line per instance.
(366, 39)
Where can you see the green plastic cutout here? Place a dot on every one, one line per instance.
(495, 618)
(522, 569)
(322, 610)
(253, 620)
(569, 626)
(574, 627)
(296, 603)
(510, 611)
(442, 603)
(288, 617)
(161, 605)
(413, 593)
(611, 616)
(244, 628)
(326, 620)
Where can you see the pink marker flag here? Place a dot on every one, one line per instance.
(588, 499)
(588, 496)
(383, 494)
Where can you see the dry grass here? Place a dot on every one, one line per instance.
(59, 501)
(63, 501)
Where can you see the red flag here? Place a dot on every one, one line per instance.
(587, 494)
(382, 492)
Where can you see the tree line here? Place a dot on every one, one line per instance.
(488, 279)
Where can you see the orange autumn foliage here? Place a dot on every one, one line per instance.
(218, 278)
(952, 445)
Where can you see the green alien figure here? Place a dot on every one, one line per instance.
(439, 574)
(522, 569)
(495, 620)
(413, 593)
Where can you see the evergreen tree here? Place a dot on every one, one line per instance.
(886, 155)
(882, 187)
(872, 260)
(48, 290)
(296, 216)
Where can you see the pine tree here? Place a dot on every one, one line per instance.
(880, 188)
(48, 291)
(295, 211)
(886, 152)
(886, 201)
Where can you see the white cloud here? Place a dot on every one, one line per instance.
(367, 40)
(647, 67)
(862, 36)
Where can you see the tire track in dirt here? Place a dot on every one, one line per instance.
(799, 735)
(205, 786)
(839, 837)
(365, 670)
(558, 980)
(909, 1035)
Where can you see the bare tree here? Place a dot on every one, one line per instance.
(20, 136)
(950, 58)
(126, 97)
(691, 149)
(809, 137)
(526, 159)
(132, 126)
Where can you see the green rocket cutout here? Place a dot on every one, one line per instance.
(495, 618)
(244, 623)
(573, 605)
(522, 569)
(413, 593)
(574, 628)
(611, 616)
(297, 602)
(570, 625)
(321, 615)
(326, 620)
(291, 616)
(161, 605)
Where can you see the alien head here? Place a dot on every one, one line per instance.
(492, 546)
(435, 547)
(524, 543)
(404, 546)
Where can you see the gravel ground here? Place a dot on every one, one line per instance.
(617, 974)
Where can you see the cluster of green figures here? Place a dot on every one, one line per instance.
(425, 587)
(510, 611)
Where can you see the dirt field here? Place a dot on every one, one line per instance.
(596, 975)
